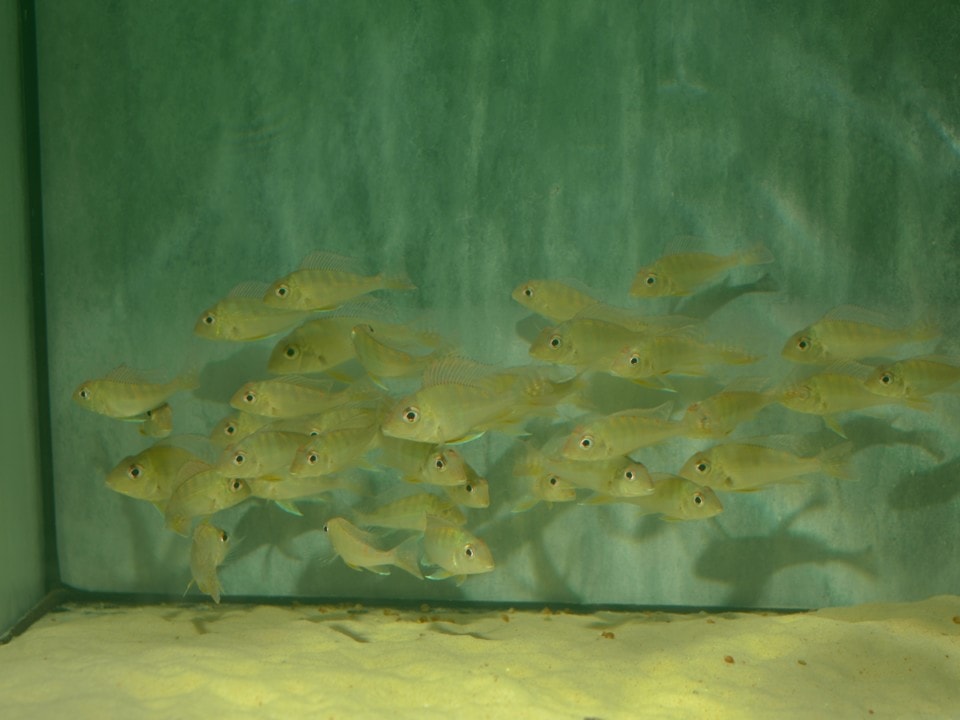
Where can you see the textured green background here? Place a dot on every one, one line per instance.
(188, 146)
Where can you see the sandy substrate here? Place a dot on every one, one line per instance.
(871, 661)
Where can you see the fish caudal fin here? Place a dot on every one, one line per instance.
(759, 254)
(406, 556)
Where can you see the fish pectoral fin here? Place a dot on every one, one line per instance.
(439, 575)
(379, 569)
(288, 506)
(831, 422)
(465, 439)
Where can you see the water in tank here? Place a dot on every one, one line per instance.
(621, 304)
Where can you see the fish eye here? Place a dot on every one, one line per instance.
(282, 291)
(236, 484)
(134, 471)
(468, 487)
(84, 393)
(698, 498)
(803, 343)
(250, 398)
(702, 466)
(223, 536)
(468, 550)
(230, 429)
(291, 352)
(650, 280)
(313, 458)
(239, 458)
(886, 378)
(586, 442)
(528, 291)
(553, 480)
(634, 359)
(209, 319)
(556, 341)
(411, 414)
(440, 464)
(628, 475)
(149, 414)
(326, 527)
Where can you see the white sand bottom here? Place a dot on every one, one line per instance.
(871, 661)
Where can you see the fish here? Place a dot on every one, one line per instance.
(261, 453)
(677, 498)
(383, 360)
(202, 491)
(410, 513)
(916, 377)
(683, 273)
(719, 414)
(555, 300)
(242, 316)
(283, 488)
(673, 354)
(236, 426)
(125, 393)
(158, 423)
(852, 333)
(455, 551)
(334, 450)
(325, 281)
(838, 389)
(617, 477)
(457, 403)
(207, 552)
(474, 492)
(618, 434)
(425, 462)
(152, 474)
(288, 396)
(548, 488)
(742, 467)
(358, 549)
(318, 345)
(586, 343)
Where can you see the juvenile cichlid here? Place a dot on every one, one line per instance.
(455, 551)
(334, 450)
(425, 462)
(325, 281)
(682, 273)
(126, 394)
(243, 316)
(678, 498)
(673, 354)
(851, 333)
(620, 433)
(915, 377)
(719, 414)
(616, 477)
(287, 397)
(474, 492)
(157, 423)
(202, 492)
(236, 426)
(265, 451)
(553, 299)
(746, 466)
(207, 552)
(381, 359)
(358, 549)
(410, 513)
(151, 475)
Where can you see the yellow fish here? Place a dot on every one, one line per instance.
(334, 450)
(553, 299)
(425, 462)
(201, 492)
(287, 397)
(151, 475)
(915, 378)
(745, 466)
(325, 281)
(455, 404)
(474, 492)
(621, 433)
(126, 394)
(682, 273)
(673, 354)
(316, 346)
(284, 488)
(454, 550)
(157, 423)
(851, 333)
(208, 551)
(585, 343)
(838, 389)
(719, 414)
(381, 359)
(236, 426)
(677, 498)
(410, 513)
(358, 549)
(261, 453)
(616, 477)
(243, 316)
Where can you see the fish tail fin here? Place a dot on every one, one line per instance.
(735, 356)
(836, 461)
(406, 556)
(397, 281)
(758, 254)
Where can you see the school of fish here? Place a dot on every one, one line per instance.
(355, 391)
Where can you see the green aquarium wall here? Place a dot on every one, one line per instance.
(188, 147)
(23, 581)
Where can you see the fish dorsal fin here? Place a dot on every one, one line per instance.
(324, 260)
(253, 289)
(191, 468)
(357, 534)
(683, 244)
(856, 313)
(126, 374)
(659, 412)
(952, 360)
(456, 369)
